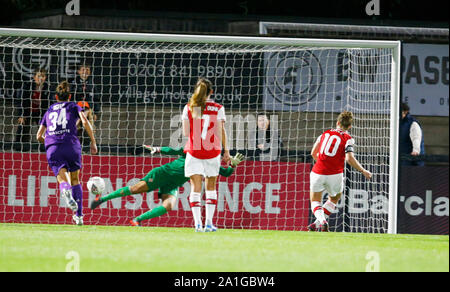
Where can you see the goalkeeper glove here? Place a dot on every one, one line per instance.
(152, 149)
(238, 158)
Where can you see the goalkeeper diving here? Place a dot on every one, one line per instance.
(166, 178)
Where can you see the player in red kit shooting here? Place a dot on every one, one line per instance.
(203, 122)
(330, 152)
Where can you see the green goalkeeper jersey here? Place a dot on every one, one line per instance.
(170, 176)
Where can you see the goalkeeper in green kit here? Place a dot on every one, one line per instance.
(167, 178)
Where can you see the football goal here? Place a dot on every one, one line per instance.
(279, 95)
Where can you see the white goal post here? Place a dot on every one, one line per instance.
(303, 102)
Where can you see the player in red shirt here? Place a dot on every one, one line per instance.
(203, 123)
(330, 152)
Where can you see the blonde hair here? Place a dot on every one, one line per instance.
(345, 119)
(202, 90)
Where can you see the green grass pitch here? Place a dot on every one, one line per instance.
(26, 247)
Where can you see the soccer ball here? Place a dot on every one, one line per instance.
(96, 185)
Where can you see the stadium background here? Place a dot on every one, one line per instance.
(243, 18)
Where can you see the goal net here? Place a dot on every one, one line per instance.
(279, 96)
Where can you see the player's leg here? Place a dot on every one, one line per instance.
(194, 169)
(334, 185)
(330, 204)
(316, 206)
(139, 188)
(77, 193)
(70, 154)
(328, 209)
(150, 182)
(316, 190)
(195, 199)
(212, 167)
(211, 203)
(169, 200)
(65, 187)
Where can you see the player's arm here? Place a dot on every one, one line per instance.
(90, 117)
(235, 161)
(223, 135)
(315, 149)
(164, 150)
(226, 150)
(415, 134)
(40, 136)
(350, 158)
(185, 122)
(87, 125)
(186, 128)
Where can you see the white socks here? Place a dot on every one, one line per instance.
(318, 211)
(327, 209)
(210, 207)
(196, 207)
(211, 202)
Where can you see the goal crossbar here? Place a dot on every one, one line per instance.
(177, 38)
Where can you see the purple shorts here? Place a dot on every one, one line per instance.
(64, 156)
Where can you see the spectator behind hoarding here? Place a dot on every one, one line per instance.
(410, 139)
(84, 89)
(30, 107)
(268, 141)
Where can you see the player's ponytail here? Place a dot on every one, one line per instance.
(345, 119)
(63, 91)
(197, 103)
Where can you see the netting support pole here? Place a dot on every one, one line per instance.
(394, 134)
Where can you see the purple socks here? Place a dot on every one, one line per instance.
(77, 193)
(64, 186)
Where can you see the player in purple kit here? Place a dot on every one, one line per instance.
(58, 131)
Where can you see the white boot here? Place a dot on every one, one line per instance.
(78, 220)
(67, 194)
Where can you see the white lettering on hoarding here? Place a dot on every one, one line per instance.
(25, 62)
(184, 198)
(45, 190)
(360, 203)
(358, 200)
(225, 196)
(425, 71)
(31, 190)
(416, 205)
(151, 200)
(12, 200)
(270, 198)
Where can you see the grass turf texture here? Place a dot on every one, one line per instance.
(26, 247)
